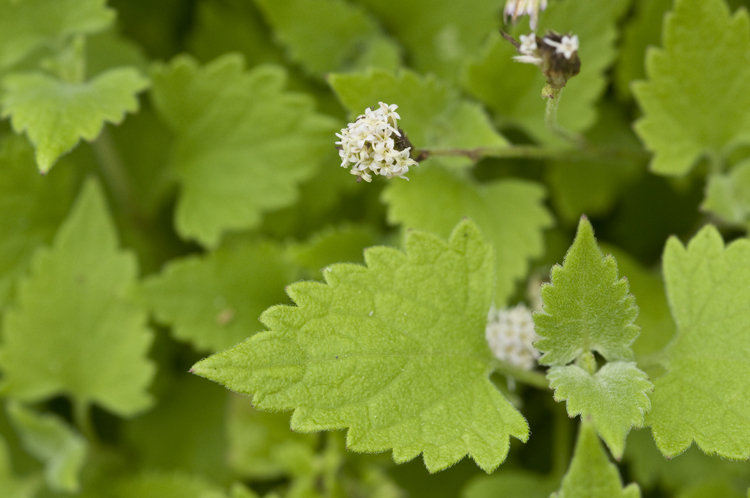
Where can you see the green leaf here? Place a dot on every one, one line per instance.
(614, 397)
(32, 208)
(513, 90)
(395, 351)
(31, 24)
(345, 35)
(243, 144)
(53, 442)
(591, 474)
(56, 114)
(433, 114)
(505, 210)
(694, 109)
(165, 485)
(586, 308)
(438, 35)
(73, 329)
(344, 244)
(255, 437)
(515, 483)
(641, 31)
(703, 397)
(214, 301)
(11, 485)
(728, 195)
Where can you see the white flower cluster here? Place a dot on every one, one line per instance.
(531, 8)
(567, 46)
(373, 144)
(510, 334)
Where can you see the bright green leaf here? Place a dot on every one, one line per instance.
(12, 486)
(695, 102)
(343, 32)
(433, 114)
(243, 143)
(586, 308)
(591, 474)
(53, 442)
(73, 329)
(510, 483)
(513, 90)
(26, 25)
(32, 208)
(214, 301)
(56, 114)
(614, 397)
(704, 397)
(509, 212)
(395, 351)
(728, 195)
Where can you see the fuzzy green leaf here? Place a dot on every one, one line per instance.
(586, 308)
(52, 441)
(243, 143)
(695, 101)
(703, 397)
(505, 210)
(728, 195)
(73, 329)
(30, 24)
(433, 114)
(214, 301)
(615, 398)
(591, 474)
(394, 351)
(56, 114)
(513, 90)
(345, 35)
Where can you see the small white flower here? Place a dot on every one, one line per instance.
(510, 335)
(369, 144)
(528, 44)
(567, 46)
(531, 8)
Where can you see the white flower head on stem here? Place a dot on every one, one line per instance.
(516, 8)
(510, 335)
(567, 46)
(374, 145)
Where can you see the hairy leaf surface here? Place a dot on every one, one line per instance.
(395, 351)
(695, 101)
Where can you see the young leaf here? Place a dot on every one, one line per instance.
(394, 351)
(73, 329)
(704, 397)
(728, 195)
(29, 24)
(512, 90)
(615, 398)
(52, 441)
(433, 114)
(510, 213)
(243, 143)
(214, 301)
(591, 474)
(694, 103)
(56, 114)
(345, 35)
(586, 308)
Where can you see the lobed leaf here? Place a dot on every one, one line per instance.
(509, 212)
(395, 351)
(585, 308)
(53, 442)
(694, 109)
(55, 114)
(591, 474)
(243, 143)
(728, 195)
(703, 396)
(614, 397)
(74, 329)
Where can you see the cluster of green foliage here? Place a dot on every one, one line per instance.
(168, 171)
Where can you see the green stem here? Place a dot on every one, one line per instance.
(82, 417)
(529, 377)
(550, 119)
(114, 174)
(609, 155)
(562, 441)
